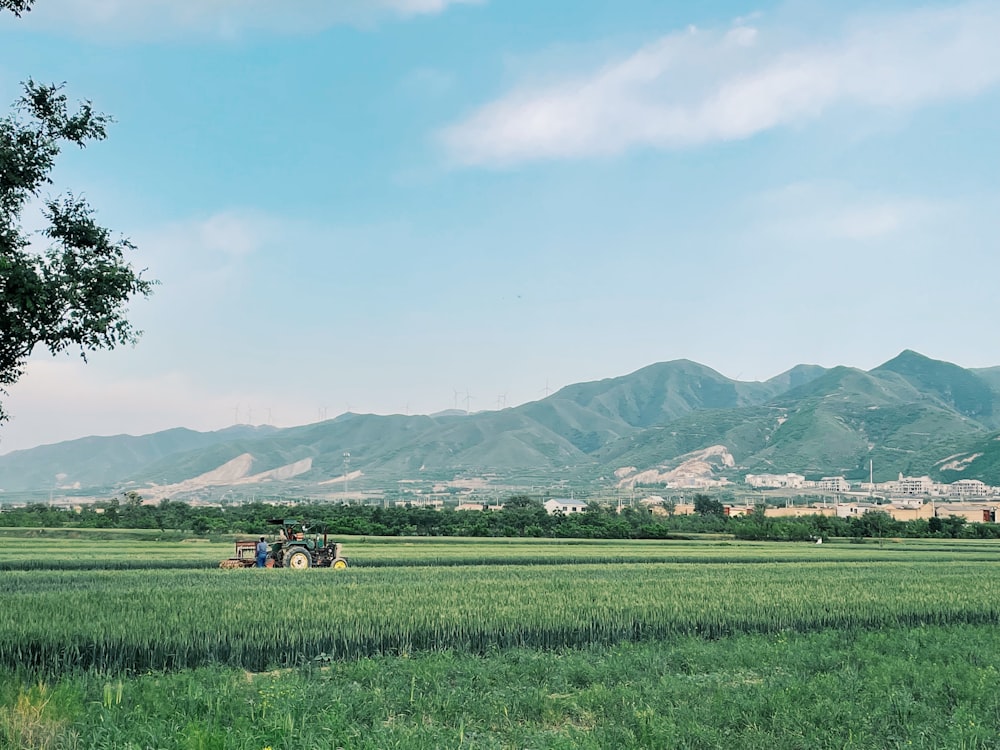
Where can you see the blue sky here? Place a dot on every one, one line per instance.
(400, 206)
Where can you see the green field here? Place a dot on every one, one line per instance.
(118, 640)
(113, 549)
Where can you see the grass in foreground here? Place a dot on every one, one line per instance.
(53, 622)
(850, 646)
(930, 687)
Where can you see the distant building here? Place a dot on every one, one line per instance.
(833, 484)
(566, 507)
(909, 509)
(794, 511)
(435, 504)
(900, 510)
(851, 510)
(970, 488)
(912, 486)
(776, 481)
(972, 512)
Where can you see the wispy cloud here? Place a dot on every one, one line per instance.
(701, 86)
(805, 214)
(195, 257)
(167, 18)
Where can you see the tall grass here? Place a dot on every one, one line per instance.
(53, 622)
(90, 552)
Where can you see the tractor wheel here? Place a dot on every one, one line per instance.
(338, 563)
(298, 558)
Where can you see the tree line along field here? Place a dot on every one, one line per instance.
(521, 516)
(472, 643)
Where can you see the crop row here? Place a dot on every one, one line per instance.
(33, 554)
(127, 621)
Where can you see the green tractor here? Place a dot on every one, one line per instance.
(295, 548)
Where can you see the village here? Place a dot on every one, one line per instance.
(904, 499)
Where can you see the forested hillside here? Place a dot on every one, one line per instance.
(912, 415)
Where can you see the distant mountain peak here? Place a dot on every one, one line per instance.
(955, 386)
(909, 413)
(909, 358)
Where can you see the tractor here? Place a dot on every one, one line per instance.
(294, 549)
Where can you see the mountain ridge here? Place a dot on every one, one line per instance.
(911, 415)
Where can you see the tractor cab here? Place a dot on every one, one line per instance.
(292, 531)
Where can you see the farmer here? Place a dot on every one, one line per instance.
(261, 552)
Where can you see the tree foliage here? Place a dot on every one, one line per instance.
(74, 292)
(520, 520)
(708, 506)
(17, 7)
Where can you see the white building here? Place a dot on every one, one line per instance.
(833, 484)
(912, 486)
(566, 507)
(778, 481)
(970, 488)
(436, 504)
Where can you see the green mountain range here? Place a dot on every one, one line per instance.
(662, 424)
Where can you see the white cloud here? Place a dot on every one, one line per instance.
(231, 234)
(701, 86)
(414, 7)
(166, 18)
(206, 252)
(808, 213)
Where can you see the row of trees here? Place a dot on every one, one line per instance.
(521, 516)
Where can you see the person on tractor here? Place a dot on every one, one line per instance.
(288, 532)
